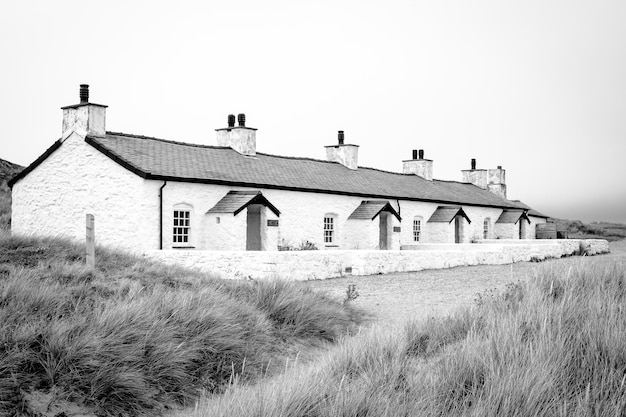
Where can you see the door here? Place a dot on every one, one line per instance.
(457, 229)
(253, 228)
(383, 226)
(522, 229)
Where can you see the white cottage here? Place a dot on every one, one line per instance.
(148, 193)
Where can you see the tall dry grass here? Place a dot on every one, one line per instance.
(135, 337)
(554, 346)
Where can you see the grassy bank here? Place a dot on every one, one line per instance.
(135, 337)
(554, 346)
(595, 230)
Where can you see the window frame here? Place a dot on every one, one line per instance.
(417, 232)
(181, 226)
(486, 228)
(330, 229)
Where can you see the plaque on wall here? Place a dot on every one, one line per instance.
(396, 229)
(272, 223)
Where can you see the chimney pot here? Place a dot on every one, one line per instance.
(242, 119)
(421, 154)
(414, 154)
(473, 163)
(499, 166)
(340, 137)
(84, 93)
(231, 120)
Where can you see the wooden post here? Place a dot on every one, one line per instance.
(90, 242)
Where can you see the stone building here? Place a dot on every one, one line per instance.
(149, 193)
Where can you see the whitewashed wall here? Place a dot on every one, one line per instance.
(507, 230)
(76, 179)
(306, 265)
(532, 228)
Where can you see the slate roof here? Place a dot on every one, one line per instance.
(235, 201)
(369, 209)
(531, 211)
(512, 216)
(160, 159)
(445, 214)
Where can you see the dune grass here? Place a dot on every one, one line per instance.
(135, 337)
(553, 346)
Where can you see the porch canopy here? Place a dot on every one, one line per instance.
(235, 201)
(513, 216)
(445, 214)
(369, 209)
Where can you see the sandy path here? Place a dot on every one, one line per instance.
(395, 297)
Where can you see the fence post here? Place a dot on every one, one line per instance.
(90, 242)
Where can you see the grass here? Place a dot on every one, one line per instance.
(552, 346)
(135, 337)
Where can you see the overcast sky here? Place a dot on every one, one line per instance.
(538, 87)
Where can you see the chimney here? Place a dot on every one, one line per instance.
(492, 180)
(346, 154)
(84, 118)
(418, 165)
(497, 181)
(240, 138)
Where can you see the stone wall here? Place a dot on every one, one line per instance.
(306, 265)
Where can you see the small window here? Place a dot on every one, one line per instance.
(181, 226)
(417, 229)
(486, 225)
(329, 229)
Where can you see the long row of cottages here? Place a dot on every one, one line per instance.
(149, 193)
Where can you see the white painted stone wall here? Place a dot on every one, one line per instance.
(306, 265)
(74, 180)
(507, 230)
(531, 230)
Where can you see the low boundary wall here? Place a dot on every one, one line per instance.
(320, 264)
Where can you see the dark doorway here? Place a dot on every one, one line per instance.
(457, 229)
(383, 243)
(253, 230)
(522, 229)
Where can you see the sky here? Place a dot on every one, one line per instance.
(538, 87)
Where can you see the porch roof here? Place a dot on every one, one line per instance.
(512, 216)
(445, 214)
(369, 209)
(235, 201)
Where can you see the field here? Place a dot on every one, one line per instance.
(551, 345)
(138, 338)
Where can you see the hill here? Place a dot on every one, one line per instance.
(7, 171)
(595, 230)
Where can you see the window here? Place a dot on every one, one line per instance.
(181, 226)
(329, 229)
(417, 229)
(486, 228)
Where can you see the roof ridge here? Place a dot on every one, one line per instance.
(194, 145)
(197, 145)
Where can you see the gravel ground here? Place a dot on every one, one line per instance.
(392, 298)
